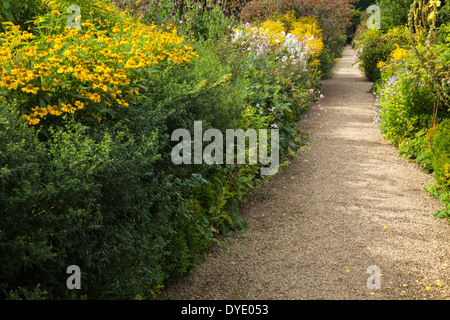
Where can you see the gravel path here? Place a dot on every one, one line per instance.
(349, 203)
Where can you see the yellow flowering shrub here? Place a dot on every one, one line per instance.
(305, 28)
(95, 68)
(274, 30)
(297, 35)
(374, 49)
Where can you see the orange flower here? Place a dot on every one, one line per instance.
(32, 119)
(67, 108)
(79, 104)
(54, 110)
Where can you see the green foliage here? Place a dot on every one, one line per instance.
(26, 294)
(374, 46)
(326, 64)
(394, 13)
(194, 21)
(440, 153)
(443, 195)
(363, 4)
(356, 20)
(444, 13)
(20, 12)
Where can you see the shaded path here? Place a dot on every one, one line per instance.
(323, 221)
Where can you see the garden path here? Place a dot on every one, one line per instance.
(348, 203)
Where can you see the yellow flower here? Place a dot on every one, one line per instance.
(30, 89)
(315, 63)
(79, 104)
(15, 84)
(41, 112)
(67, 108)
(101, 86)
(6, 81)
(54, 110)
(436, 3)
(32, 119)
(432, 16)
(447, 170)
(65, 69)
(381, 64)
(94, 97)
(122, 102)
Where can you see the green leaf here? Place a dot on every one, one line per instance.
(6, 4)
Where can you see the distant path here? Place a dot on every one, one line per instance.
(322, 223)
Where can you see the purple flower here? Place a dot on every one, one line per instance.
(377, 116)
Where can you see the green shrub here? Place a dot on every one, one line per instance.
(440, 152)
(326, 64)
(439, 143)
(394, 13)
(406, 105)
(96, 198)
(20, 12)
(373, 46)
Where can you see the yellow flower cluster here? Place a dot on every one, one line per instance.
(307, 27)
(399, 53)
(274, 30)
(304, 27)
(433, 4)
(286, 31)
(65, 69)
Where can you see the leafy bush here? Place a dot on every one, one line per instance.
(94, 198)
(20, 12)
(394, 13)
(196, 20)
(373, 46)
(440, 152)
(439, 142)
